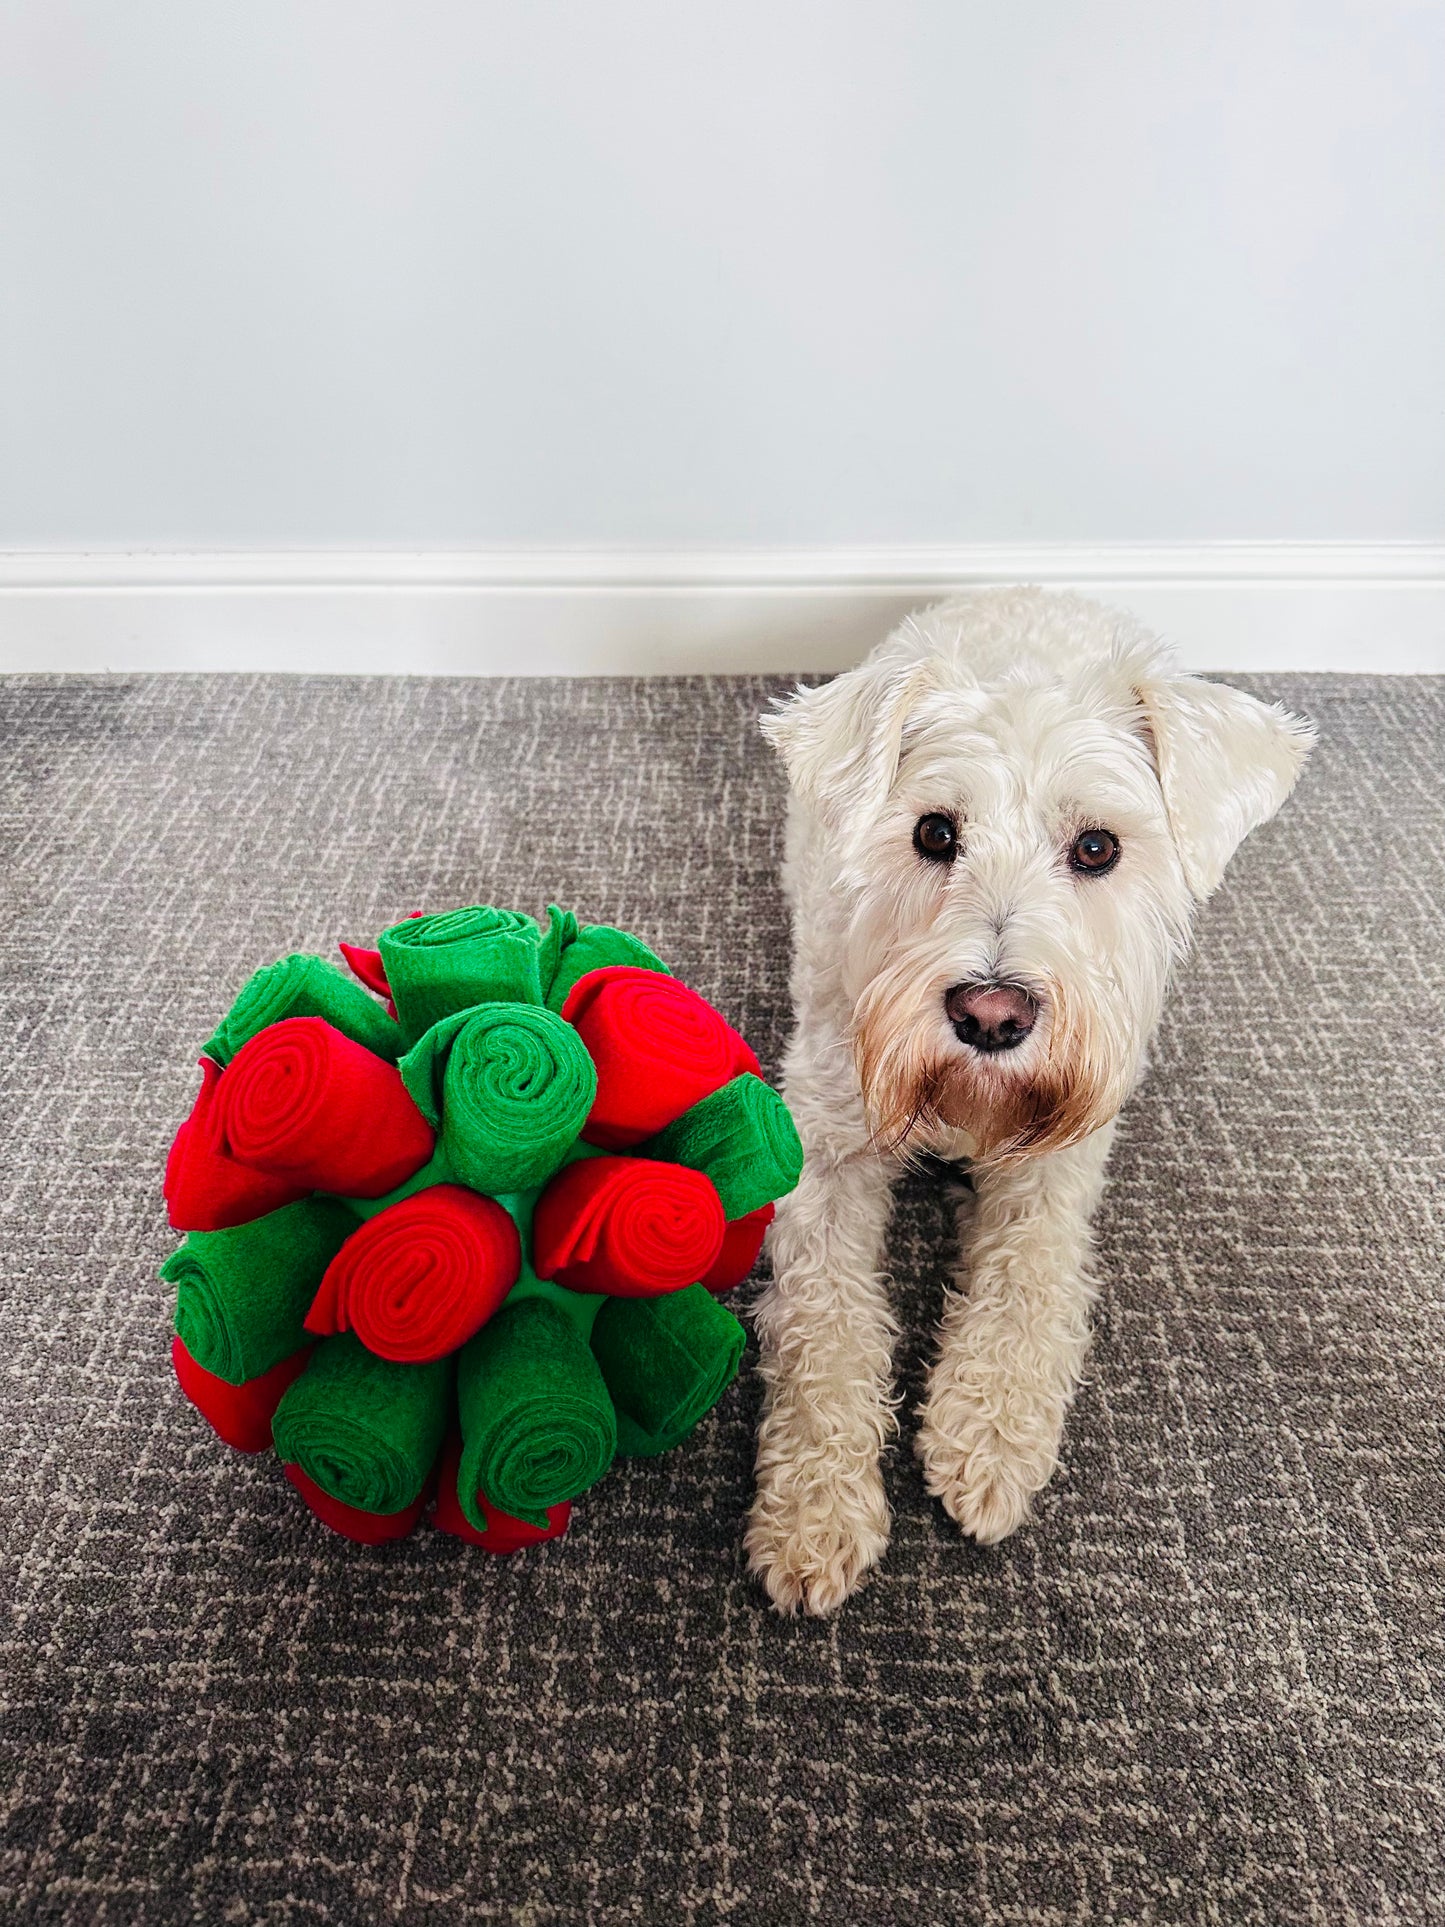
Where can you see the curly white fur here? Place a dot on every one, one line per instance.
(1027, 718)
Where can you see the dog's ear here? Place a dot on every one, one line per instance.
(841, 743)
(1225, 761)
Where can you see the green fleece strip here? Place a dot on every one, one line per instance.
(743, 1137)
(595, 946)
(367, 1430)
(441, 964)
(666, 1361)
(508, 1086)
(302, 986)
(242, 1294)
(537, 1424)
(580, 1307)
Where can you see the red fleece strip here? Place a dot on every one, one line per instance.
(504, 1533)
(367, 967)
(630, 1227)
(204, 1189)
(416, 1281)
(742, 1241)
(366, 1528)
(305, 1103)
(658, 1048)
(239, 1415)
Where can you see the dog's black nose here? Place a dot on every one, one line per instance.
(991, 1016)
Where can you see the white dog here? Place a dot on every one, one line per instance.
(1000, 826)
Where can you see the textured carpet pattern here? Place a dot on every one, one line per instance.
(1204, 1686)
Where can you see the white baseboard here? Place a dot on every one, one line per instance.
(1228, 605)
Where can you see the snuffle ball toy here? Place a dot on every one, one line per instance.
(467, 1243)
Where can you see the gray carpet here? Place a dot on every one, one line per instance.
(1205, 1685)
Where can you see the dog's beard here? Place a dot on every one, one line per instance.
(916, 1086)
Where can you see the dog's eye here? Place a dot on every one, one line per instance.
(936, 837)
(1094, 852)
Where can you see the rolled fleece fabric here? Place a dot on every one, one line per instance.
(242, 1295)
(658, 1048)
(367, 965)
(537, 1425)
(509, 1086)
(503, 1533)
(666, 1361)
(597, 946)
(745, 1140)
(418, 1279)
(366, 1528)
(302, 986)
(366, 1430)
(742, 1241)
(239, 1415)
(205, 1190)
(626, 1226)
(303, 1102)
(438, 965)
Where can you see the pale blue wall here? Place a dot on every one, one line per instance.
(453, 272)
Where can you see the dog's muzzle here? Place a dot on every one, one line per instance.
(991, 1017)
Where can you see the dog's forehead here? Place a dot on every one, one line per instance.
(1032, 735)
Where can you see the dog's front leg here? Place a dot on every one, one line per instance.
(1013, 1338)
(820, 1519)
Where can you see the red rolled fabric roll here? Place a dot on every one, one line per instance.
(366, 1528)
(239, 1415)
(658, 1047)
(419, 1278)
(204, 1189)
(504, 1533)
(742, 1241)
(627, 1226)
(305, 1103)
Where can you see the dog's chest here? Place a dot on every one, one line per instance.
(951, 1145)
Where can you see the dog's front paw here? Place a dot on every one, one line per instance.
(813, 1533)
(985, 1478)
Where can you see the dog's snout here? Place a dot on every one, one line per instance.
(991, 1017)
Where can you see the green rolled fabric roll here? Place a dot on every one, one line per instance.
(667, 1361)
(242, 1294)
(445, 963)
(508, 1086)
(302, 986)
(743, 1138)
(594, 947)
(537, 1424)
(367, 1430)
